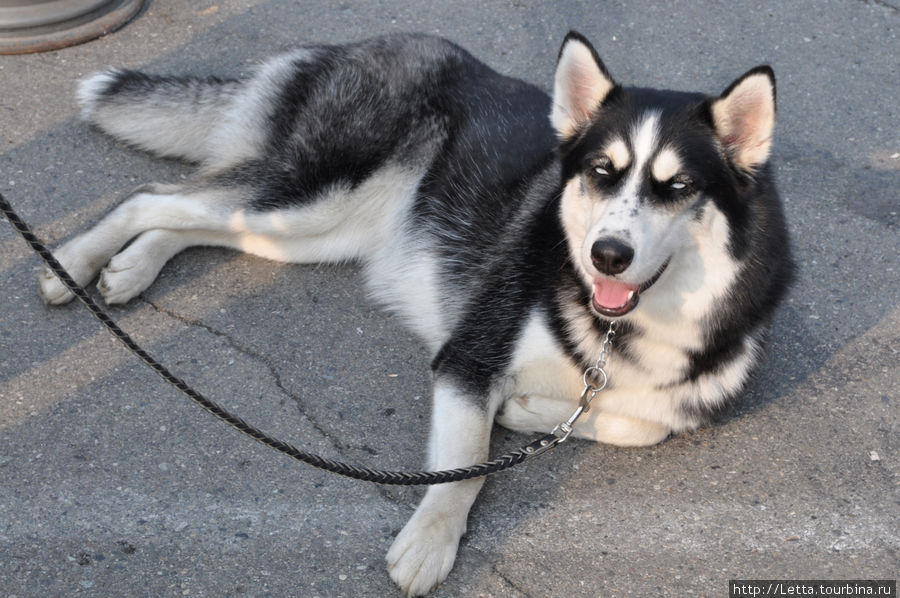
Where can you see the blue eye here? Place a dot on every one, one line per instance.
(680, 183)
(601, 171)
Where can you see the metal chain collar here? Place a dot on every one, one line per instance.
(595, 379)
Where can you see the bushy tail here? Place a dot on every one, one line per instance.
(169, 116)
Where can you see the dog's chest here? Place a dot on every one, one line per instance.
(540, 366)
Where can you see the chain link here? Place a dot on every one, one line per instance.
(595, 377)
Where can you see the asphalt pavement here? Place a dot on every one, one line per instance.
(112, 484)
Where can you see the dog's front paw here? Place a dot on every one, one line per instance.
(424, 551)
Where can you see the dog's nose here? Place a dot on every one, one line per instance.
(611, 256)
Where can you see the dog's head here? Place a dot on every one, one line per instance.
(640, 166)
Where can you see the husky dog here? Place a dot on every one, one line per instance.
(506, 227)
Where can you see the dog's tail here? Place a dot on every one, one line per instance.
(170, 116)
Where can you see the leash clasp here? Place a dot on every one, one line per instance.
(562, 431)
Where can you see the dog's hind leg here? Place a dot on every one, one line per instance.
(135, 268)
(335, 225)
(207, 211)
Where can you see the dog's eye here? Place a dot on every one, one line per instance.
(680, 183)
(601, 168)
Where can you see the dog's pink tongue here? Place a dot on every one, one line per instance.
(612, 294)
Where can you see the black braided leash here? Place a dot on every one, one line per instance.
(403, 478)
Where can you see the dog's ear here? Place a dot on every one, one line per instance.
(744, 117)
(580, 86)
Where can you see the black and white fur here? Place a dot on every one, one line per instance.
(505, 239)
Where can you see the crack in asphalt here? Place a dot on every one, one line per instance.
(510, 582)
(273, 371)
(249, 352)
(883, 3)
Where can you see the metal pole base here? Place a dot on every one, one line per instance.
(42, 25)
